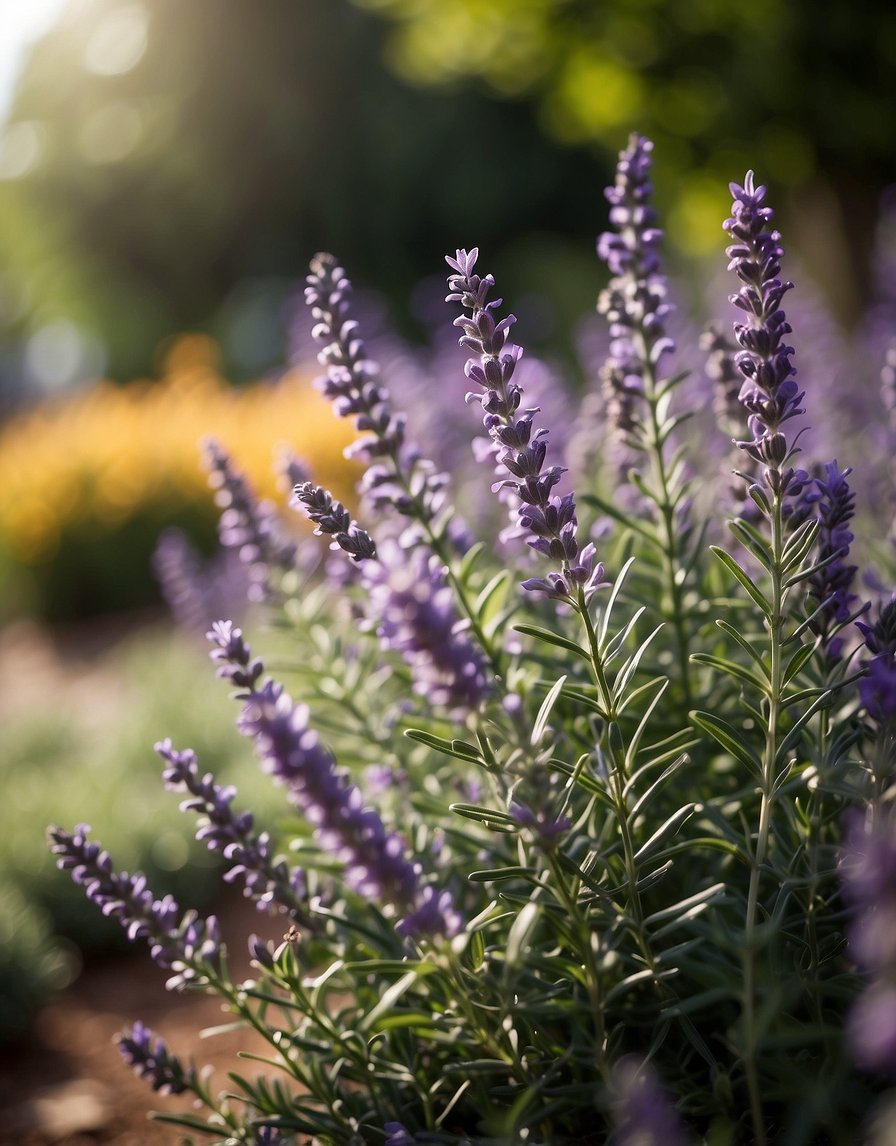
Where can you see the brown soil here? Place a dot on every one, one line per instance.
(68, 1085)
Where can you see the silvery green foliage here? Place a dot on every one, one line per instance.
(565, 862)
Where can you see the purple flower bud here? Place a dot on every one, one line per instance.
(152, 1060)
(399, 477)
(333, 519)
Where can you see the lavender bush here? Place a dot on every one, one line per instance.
(592, 833)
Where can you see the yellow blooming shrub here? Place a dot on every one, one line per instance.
(89, 464)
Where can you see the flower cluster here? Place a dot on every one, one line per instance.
(152, 1060)
(630, 813)
(548, 518)
(333, 519)
(877, 688)
(248, 526)
(769, 392)
(635, 300)
(833, 503)
(269, 882)
(185, 944)
(414, 613)
(292, 752)
(396, 474)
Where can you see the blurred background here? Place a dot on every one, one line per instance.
(167, 169)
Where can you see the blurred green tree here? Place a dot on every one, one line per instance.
(170, 166)
(800, 91)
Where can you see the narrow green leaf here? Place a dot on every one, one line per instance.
(728, 737)
(793, 735)
(798, 662)
(458, 748)
(799, 544)
(496, 874)
(735, 570)
(645, 796)
(631, 665)
(541, 720)
(684, 905)
(518, 937)
(387, 1001)
(611, 602)
(492, 596)
(731, 668)
(469, 559)
(552, 639)
(753, 652)
(752, 541)
(669, 828)
(489, 817)
(581, 697)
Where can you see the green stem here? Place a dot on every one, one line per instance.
(666, 504)
(766, 791)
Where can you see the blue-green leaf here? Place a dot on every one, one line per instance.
(751, 587)
(728, 737)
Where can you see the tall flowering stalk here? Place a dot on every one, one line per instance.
(269, 882)
(291, 751)
(771, 398)
(183, 943)
(397, 476)
(547, 518)
(638, 387)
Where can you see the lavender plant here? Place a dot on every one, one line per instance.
(581, 850)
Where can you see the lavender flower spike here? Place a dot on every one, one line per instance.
(397, 475)
(550, 520)
(830, 585)
(152, 1060)
(269, 883)
(248, 525)
(769, 392)
(292, 752)
(634, 301)
(414, 609)
(332, 518)
(188, 945)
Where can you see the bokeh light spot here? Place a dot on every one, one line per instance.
(118, 42)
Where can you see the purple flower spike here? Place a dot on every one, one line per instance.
(397, 475)
(151, 1059)
(769, 392)
(548, 519)
(634, 301)
(292, 752)
(414, 611)
(271, 884)
(832, 502)
(877, 689)
(188, 945)
(333, 519)
(248, 526)
(195, 591)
